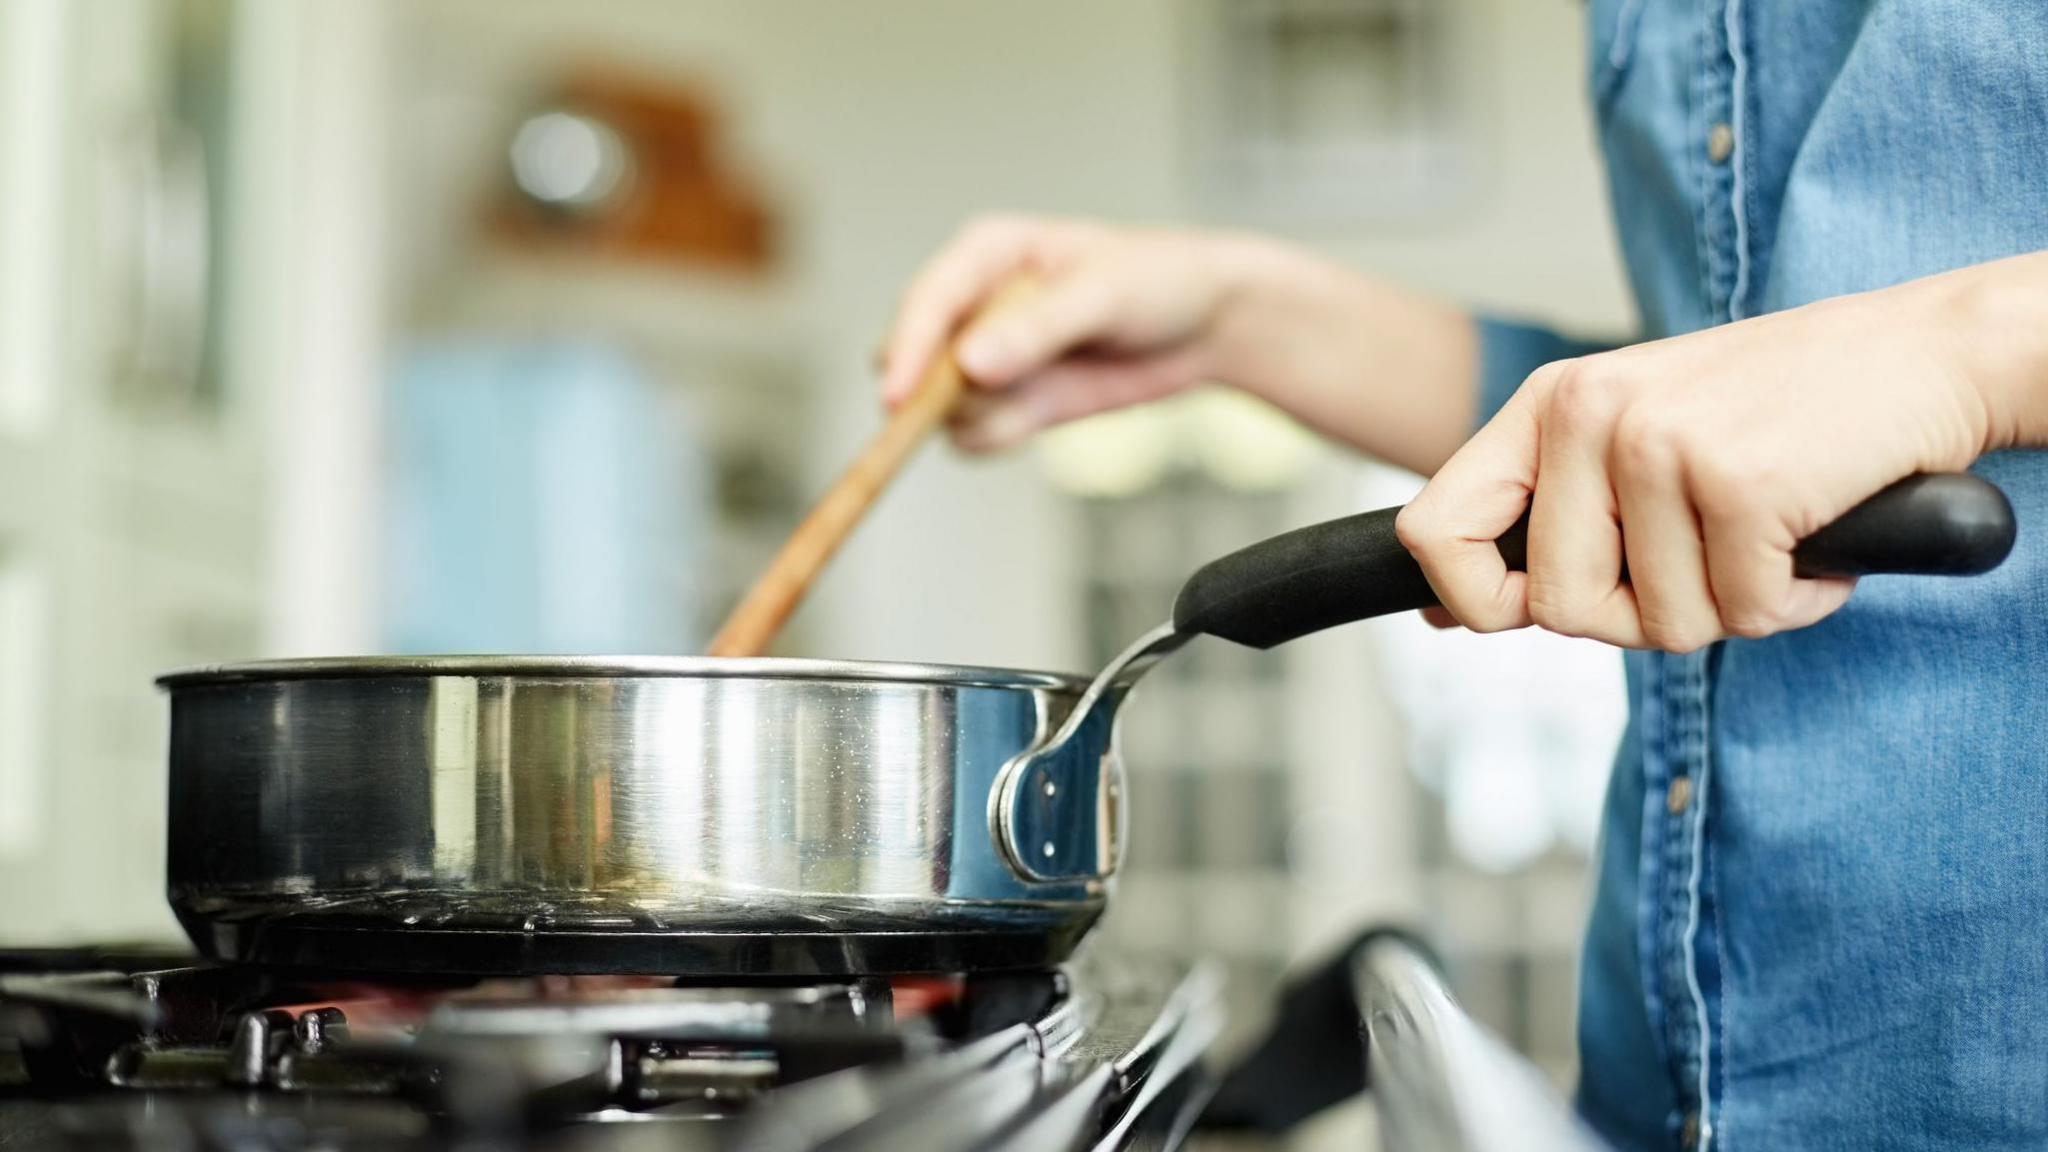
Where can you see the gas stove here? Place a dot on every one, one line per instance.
(113, 1049)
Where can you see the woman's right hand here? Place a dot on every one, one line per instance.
(1122, 316)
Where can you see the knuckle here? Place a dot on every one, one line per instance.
(1647, 440)
(1414, 527)
(1715, 476)
(1582, 392)
(1547, 376)
(1731, 484)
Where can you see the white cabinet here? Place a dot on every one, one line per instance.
(154, 316)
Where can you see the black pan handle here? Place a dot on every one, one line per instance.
(1946, 524)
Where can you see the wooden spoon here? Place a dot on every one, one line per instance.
(753, 625)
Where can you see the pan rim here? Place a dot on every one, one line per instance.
(594, 667)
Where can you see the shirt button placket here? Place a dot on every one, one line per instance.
(1693, 990)
(1715, 163)
(1683, 701)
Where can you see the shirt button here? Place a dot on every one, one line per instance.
(1720, 143)
(1679, 795)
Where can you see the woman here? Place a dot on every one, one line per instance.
(1822, 909)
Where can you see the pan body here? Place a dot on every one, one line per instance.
(694, 816)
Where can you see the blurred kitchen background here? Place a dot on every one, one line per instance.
(476, 325)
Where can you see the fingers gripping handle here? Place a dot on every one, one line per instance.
(1949, 524)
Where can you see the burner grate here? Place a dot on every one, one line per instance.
(247, 1057)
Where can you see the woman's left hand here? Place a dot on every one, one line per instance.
(1702, 460)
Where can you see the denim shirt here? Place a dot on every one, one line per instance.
(1821, 916)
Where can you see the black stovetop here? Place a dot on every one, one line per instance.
(106, 1048)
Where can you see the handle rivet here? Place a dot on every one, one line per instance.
(1049, 849)
(1051, 789)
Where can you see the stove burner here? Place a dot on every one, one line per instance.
(105, 1049)
(508, 945)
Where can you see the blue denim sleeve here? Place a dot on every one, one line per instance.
(1509, 351)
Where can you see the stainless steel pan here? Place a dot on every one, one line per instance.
(735, 816)
(570, 815)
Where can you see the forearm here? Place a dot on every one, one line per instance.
(1391, 373)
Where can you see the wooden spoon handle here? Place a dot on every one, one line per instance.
(753, 625)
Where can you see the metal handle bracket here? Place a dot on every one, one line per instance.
(1057, 810)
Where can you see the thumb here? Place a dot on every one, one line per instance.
(1010, 343)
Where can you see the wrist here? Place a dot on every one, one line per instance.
(1281, 313)
(1251, 316)
(1356, 359)
(1992, 321)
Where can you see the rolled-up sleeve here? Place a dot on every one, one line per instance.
(1509, 350)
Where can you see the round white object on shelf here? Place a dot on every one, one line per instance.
(569, 161)
(1247, 444)
(1114, 454)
